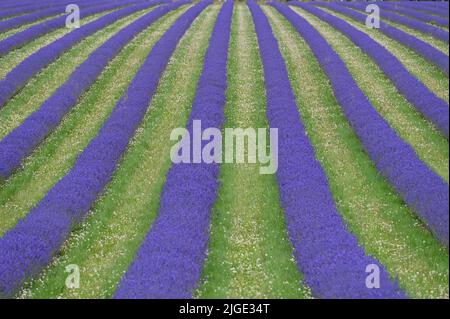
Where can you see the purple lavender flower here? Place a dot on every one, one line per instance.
(21, 38)
(27, 248)
(22, 140)
(423, 190)
(423, 27)
(332, 262)
(414, 14)
(29, 67)
(426, 102)
(170, 261)
(426, 50)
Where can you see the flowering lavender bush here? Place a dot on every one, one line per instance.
(27, 248)
(426, 102)
(170, 261)
(429, 52)
(26, 8)
(33, 64)
(28, 18)
(23, 139)
(19, 39)
(332, 262)
(425, 6)
(413, 13)
(422, 189)
(423, 27)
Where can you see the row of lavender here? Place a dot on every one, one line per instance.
(34, 63)
(418, 25)
(421, 47)
(22, 140)
(313, 221)
(425, 101)
(21, 38)
(28, 247)
(421, 188)
(169, 262)
(322, 243)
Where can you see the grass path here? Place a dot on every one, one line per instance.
(383, 224)
(45, 83)
(441, 45)
(250, 255)
(106, 243)
(427, 141)
(23, 27)
(10, 60)
(54, 158)
(430, 75)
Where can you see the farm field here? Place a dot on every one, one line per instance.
(352, 200)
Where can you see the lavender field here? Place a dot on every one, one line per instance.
(344, 194)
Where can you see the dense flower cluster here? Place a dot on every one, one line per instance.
(34, 63)
(413, 13)
(10, 11)
(429, 52)
(28, 247)
(19, 39)
(422, 189)
(40, 14)
(425, 101)
(423, 27)
(332, 262)
(22, 140)
(170, 261)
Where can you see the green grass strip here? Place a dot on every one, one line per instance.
(437, 43)
(250, 255)
(383, 224)
(13, 58)
(44, 84)
(23, 27)
(106, 243)
(54, 158)
(430, 75)
(430, 145)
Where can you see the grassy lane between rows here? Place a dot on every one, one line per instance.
(105, 244)
(250, 255)
(54, 158)
(441, 45)
(429, 74)
(383, 224)
(42, 86)
(430, 145)
(14, 57)
(23, 27)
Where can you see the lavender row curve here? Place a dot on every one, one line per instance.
(27, 248)
(423, 27)
(21, 38)
(41, 14)
(34, 63)
(418, 6)
(322, 243)
(170, 260)
(423, 6)
(9, 12)
(20, 142)
(427, 103)
(423, 190)
(414, 14)
(426, 50)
